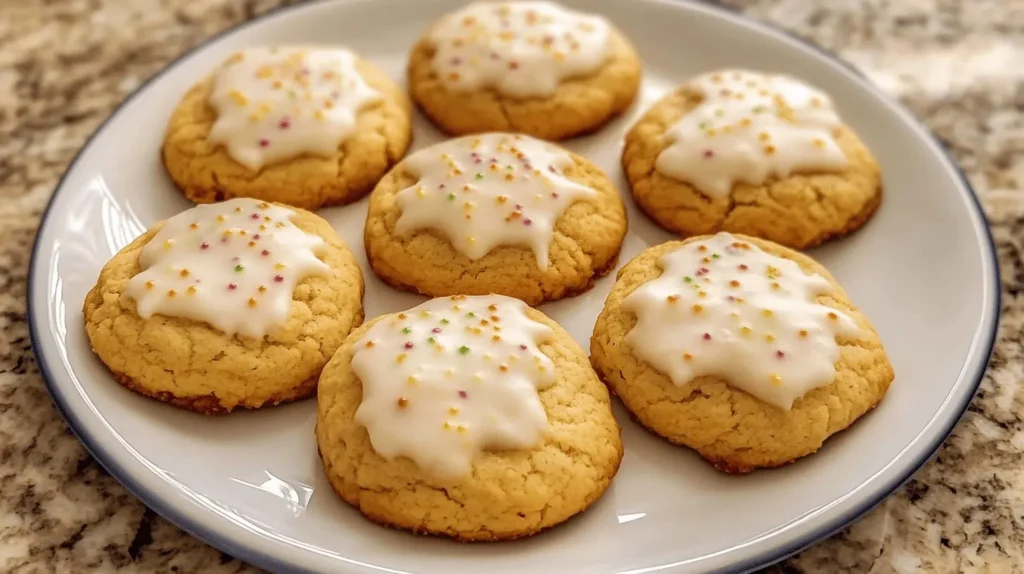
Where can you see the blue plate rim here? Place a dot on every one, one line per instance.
(272, 563)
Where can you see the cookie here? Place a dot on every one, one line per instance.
(238, 304)
(529, 67)
(494, 213)
(741, 349)
(750, 153)
(475, 418)
(302, 126)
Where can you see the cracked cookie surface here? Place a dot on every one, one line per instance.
(191, 365)
(730, 428)
(798, 211)
(585, 244)
(508, 494)
(578, 105)
(205, 172)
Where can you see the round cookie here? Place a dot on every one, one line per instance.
(530, 67)
(238, 304)
(475, 418)
(749, 153)
(494, 213)
(741, 349)
(302, 126)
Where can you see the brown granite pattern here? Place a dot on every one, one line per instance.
(64, 66)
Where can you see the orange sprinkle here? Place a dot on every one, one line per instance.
(369, 344)
(672, 298)
(702, 248)
(492, 307)
(404, 402)
(252, 302)
(687, 357)
(503, 368)
(734, 283)
(401, 315)
(769, 149)
(150, 285)
(171, 293)
(262, 289)
(183, 273)
(495, 338)
(193, 226)
(453, 76)
(803, 332)
(833, 316)
(698, 308)
(252, 244)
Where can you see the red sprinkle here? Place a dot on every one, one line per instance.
(707, 336)
(463, 394)
(254, 216)
(780, 354)
(264, 142)
(408, 345)
(513, 65)
(284, 124)
(278, 278)
(265, 253)
(743, 267)
(232, 286)
(257, 236)
(204, 245)
(527, 221)
(435, 330)
(523, 347)
(709, 154)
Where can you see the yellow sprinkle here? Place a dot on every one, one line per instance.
(319, 115)
(238, 97)
(421, 192)
(453, 410)
(279, 266)
(502, 199)
(449, 373)
(495, 338)
(400, 358)
(770, 338)
(775, 285)
(402, 315)
(264, 72)
(776, 380)
(446, 426)
(767, 313)
(411, 380)
(252, 302)
(764, 136)
(461, 429)
(168, 244)
(191, 290)
(150, 285)
(745, 330)
(702, 294)
(262, 289)
(819, 143)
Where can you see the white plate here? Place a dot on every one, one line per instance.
(923, 269)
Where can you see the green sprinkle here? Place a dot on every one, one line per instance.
(451, 197)
(444, 321)
(463, 350)
(431, 340)
(292, 94)
(715, 256)
(509, 167)
(687, 280)
(238, 268)
(471, 314)
(758, 109)
(479, 176)
(406, 331)
(703, 125)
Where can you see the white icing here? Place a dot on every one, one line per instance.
(277, 103)
(232, 265)
(750, 127)
(489, 190)
(724, 308)
(451, 378)
(521, 49)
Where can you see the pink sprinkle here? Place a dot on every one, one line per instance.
(335, 95)
(232, 286)
(701, 272)
(204, 245)
(463, 394)
(709, 154)
(456, 61)
(265, 253)
(223, 239)
(494, 55)
(264, 142)
(256, 237)
(441, 186)
(780, 354)
(519, 207)
(554, 195)
(409, 345)
(278, 278)
(305, 71)
(707, 336)
(551, 168)
(435, 330)
(284, 124)
(234, 260)
(522, 347)
(254, 216)
(527, 221)
(476, 160)
(731, 298)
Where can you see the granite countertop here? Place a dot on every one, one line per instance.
(66, 64)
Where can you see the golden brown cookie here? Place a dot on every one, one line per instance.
(763, 343)
(495, 213)
(533, 68)
(441, 410)
(817, 201)
(288, 307)
(277, 134)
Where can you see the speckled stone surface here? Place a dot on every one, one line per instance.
(65, 65)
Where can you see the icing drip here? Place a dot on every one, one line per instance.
(522, 49)
(451, 378)
(277, 103)
(232, 265)
(489, 190)
(748, 128)
(722, 307)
